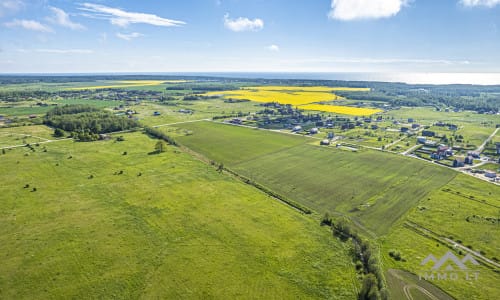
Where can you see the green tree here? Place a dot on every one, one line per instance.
(160, 146)
(369, 290)
(58, 132)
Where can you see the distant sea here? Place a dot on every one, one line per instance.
(410, 78)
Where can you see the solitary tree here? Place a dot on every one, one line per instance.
(58, 132)
(160, 146)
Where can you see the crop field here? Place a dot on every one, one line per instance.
(125, 84)
(426, 116)
(232, 145)
(84, 220)
(345, 110)
(324, 179)
(470, 208)
(302, 97)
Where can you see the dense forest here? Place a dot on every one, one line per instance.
(85, 123)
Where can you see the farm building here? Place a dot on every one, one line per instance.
(415, 126)
(404, 129)
(156, 113)
(325, 142)
(330, 135)
(498, 148)
(314, 130)
(421, 139)
(297, 128)
(374, 127)
(410, 120)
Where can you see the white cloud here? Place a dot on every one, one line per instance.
(123, 18)
(29, 25)
(62, 18)
(274, 48)
(243, 24)
(487, 3)
(10, 6)
(348, 10)
(129, 36)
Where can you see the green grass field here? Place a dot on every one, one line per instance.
(374, 187)
(464, 206)
(179, 230)
(414, 248)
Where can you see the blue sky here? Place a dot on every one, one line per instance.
(250, 35)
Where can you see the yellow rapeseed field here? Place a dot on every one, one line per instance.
(346, 110)
(303, 97)
(308, 88)
(129, 83)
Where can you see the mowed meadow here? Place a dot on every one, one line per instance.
(373, 187)
(109, 219)
(300, 97)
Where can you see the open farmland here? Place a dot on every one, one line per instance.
(414, 248)
(83, 220)
(471, 209)
(324, 179)
(344, 110)
(125, 84)
(301, 97)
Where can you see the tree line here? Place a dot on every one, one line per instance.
(373, 285)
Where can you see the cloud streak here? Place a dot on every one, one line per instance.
(122, 18)
(129, 36)
(243, 24)
(29, 25)
(487, 3)
(60, 17)
(10, 6)
(349, 10)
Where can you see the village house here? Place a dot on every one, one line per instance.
(421, 139)
(490, 174)
(469, 160)
(458, 162)
(428, 133)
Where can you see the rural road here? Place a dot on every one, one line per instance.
(44, 142)
(452, 243)
(481, 148)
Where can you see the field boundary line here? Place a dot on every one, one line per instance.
(450, 243)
